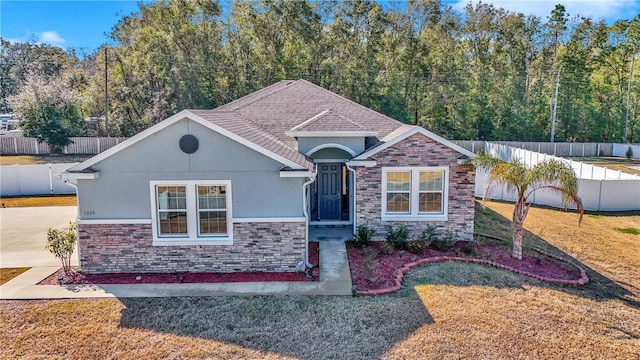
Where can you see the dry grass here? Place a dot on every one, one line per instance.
(446, 310)
(41, 159)
(7, 274)
(630, 166)
(31, 201)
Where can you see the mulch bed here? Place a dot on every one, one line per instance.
(75, 278)
(372, 269)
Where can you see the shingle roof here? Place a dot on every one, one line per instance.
(230, 121)
(328, 120)
(286, 104)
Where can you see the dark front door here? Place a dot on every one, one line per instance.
(329, 191)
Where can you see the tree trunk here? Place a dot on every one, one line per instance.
(517, 240)
(517, 226)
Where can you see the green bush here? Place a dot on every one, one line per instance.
(363, 235)
(398, 237)
(446, 243)
(416, 246)
(61, 243)
(629, 153)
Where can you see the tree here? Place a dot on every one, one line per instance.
(49, 108)
(61, 243)
(551, 175)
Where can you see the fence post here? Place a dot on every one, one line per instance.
(555, 146)
(570, 149)
(50, 180)
(598, 150)
(18, 178)
(15, 145)
(98, 141)
(582, 149)
(539, 144)
(600, 195)
(473, 146)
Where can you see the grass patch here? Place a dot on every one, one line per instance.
(629, 230)
(7, 274)
(445, 310)
(34, 201)
(629, 166)
(41, 159)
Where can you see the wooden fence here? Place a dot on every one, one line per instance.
(79, 145)
(96, 145)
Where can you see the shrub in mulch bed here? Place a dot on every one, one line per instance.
(372, 268)
(75, 278)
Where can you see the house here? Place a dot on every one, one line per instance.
(236, 188)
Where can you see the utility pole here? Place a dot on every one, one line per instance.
(106, 94)
(555, 107)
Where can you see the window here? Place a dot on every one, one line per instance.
(418, 193)
(191, 212)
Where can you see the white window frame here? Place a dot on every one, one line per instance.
(192, 237)
(414, 195)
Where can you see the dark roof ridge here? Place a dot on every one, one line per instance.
(351, 101)
(319, 116)
(266, 92)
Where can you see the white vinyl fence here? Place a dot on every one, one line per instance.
(16, 180)
(599, 188)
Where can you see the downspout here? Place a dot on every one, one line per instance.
(353, 201)
(312, 178)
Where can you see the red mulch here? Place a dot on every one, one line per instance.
(371, 269)
(59, 278)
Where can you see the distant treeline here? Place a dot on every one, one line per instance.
(485, 73)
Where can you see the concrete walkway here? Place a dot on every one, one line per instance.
(334, 275)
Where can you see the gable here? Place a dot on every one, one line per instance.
(408, 131)
(288, 158)
(161, 153)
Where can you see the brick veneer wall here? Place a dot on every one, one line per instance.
(417, 150)
(128, 248)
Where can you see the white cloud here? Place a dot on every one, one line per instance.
(610, 10)
(51, 38)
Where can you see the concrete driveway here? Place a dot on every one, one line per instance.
(23, 235)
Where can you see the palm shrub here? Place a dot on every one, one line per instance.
(552, 175)
(61, 243)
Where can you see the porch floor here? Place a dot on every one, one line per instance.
(323, 233)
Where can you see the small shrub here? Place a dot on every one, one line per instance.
(363, 235)
(446, 243)
(61, 243)
(469, 247)
(416, 246)
(398, 237)
(629, 153)
(386, 248)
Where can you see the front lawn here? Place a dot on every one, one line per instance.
(444, 311)
(7, 274)
(35, 201)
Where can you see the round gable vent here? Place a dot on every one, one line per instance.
(188, 144)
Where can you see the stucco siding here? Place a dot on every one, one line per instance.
(417, 151)
(122, 189)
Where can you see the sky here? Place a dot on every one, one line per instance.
(84, 25)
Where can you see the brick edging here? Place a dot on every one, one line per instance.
(406, 267)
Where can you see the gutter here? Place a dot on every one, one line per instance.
(312, 178)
